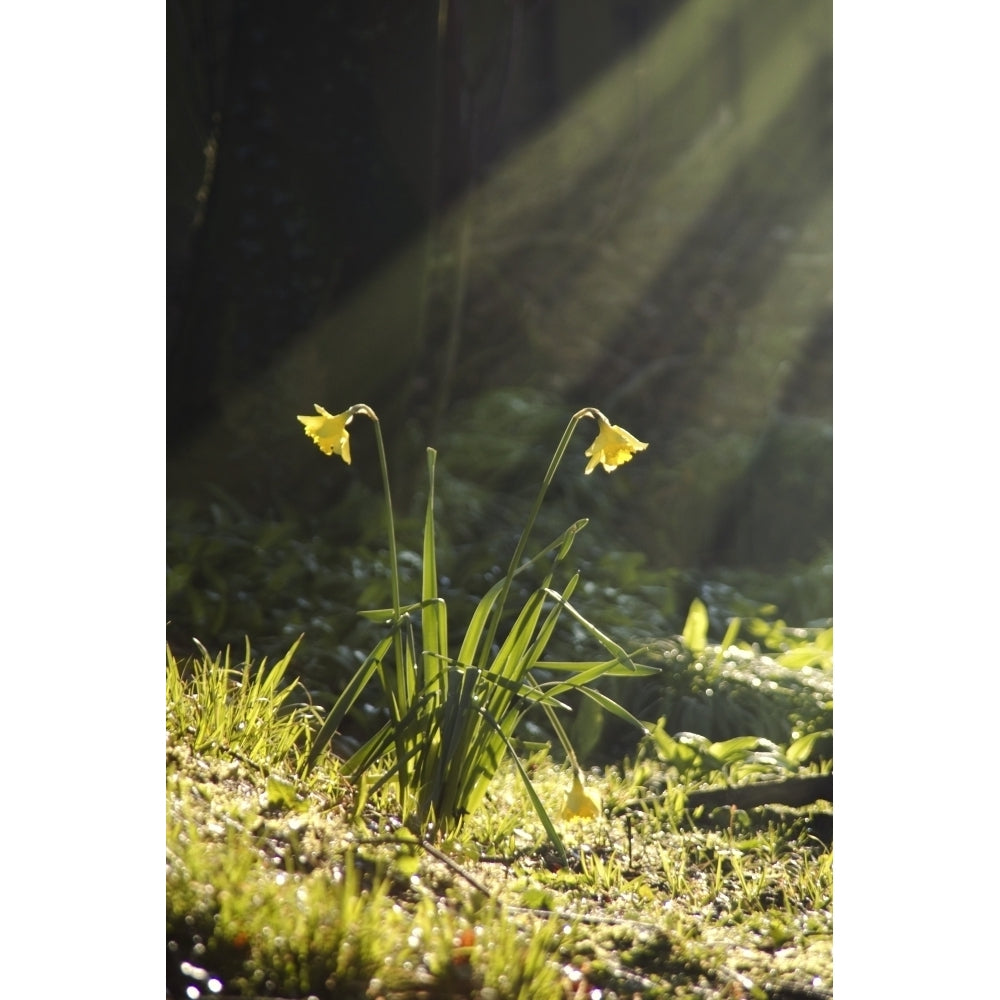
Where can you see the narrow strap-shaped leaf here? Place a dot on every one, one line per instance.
(606, 641)
(562, 544)
(696, 627)
(468, 653)
(347, 698)
(608, 668)
(557, 728)
(459, 742)
(581, 679)
(541, 642)
(434, 615)
(385, 615)
(615, 709)
(529, 788)
(373, 748)
(509, 661)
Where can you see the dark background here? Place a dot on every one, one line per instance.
(478, 217)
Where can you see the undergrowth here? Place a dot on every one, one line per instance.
(279, 885)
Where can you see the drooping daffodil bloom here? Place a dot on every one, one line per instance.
(330, 432)
(581, 803)
(614, 446)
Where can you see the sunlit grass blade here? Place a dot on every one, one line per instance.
(239, 710)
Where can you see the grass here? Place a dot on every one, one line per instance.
(288, 886)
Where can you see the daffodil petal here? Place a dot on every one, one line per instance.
(613, 446)
(329, 432)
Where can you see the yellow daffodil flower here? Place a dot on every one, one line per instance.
(580, 802)
(614, 446)
(330, 432)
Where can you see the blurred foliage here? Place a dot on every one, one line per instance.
(693, 758)
(728, 692)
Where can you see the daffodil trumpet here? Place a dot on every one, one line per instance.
(613, 446)
(581, 803)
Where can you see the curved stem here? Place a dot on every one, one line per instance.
(393, 559)
(403, 680)
(522, 542)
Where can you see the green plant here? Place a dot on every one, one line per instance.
(263, 899)
(696, 758)
(453, 714)
(735, 688)
(244, 710)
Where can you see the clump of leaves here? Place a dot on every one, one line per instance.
(452, 713)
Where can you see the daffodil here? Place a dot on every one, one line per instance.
(580, 802)
(614, 446)
(330, 432)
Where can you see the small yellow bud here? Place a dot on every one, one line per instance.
(580, 802)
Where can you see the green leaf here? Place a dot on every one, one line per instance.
(529, 788)
(434, 619)
(602, 668)
(385, 616)
(406, 862)
(808, 655)
(473, 635)
(606, 641)
(347, 698)
(732, 631)
(282, 794)
(548, 626)
(609, 705)
(696, 627)
(735, 749)
(800, 750)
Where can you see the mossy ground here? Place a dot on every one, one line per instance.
(276, 888)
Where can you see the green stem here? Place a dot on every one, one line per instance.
(403, 680)
(587, 411)
(393, 560)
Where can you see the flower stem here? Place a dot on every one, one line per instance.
(404, 682)
(522, 542)
(393, 559)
